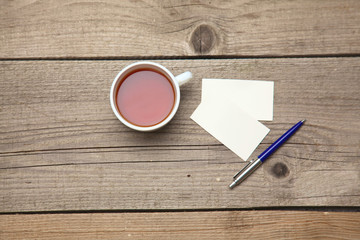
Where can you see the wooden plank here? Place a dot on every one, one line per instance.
(61, 147)
(184, 225)
(110, 28)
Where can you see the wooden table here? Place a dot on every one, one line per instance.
(70, 169)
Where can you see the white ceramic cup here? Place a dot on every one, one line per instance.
(175, 81)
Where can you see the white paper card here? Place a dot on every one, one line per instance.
(234, 128)
(254, 97)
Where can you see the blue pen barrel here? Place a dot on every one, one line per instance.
(264, 155)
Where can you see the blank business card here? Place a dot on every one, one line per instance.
(233, 127)
(253, 96)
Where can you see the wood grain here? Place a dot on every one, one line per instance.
(111, 29)
(184, 225)
(61, 147)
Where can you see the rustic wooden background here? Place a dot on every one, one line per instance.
(70, 169)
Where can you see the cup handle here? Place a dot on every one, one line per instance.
(183, 78)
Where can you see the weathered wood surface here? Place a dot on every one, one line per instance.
(102, 29)
(61, 147)
(184, 225)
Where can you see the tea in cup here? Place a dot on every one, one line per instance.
(145, 95)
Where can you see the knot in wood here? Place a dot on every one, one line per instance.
(280, 170)
(203, 39)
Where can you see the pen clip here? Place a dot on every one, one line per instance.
(243, 169)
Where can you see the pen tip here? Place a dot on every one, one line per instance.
(303, 120)
(232, 185)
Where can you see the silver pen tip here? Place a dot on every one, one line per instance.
(303, 120)
(232, 185)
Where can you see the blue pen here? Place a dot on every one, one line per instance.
(254, 164)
